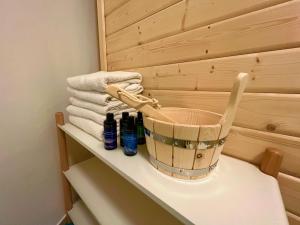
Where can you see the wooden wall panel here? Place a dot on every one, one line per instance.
(272, 28)
(275, 71)
(101, 35)
(278, 113)
(290, 190)
(189, 53)
(133, 11)
(249, 145)
(110, 5)
(161, 24)
(293, 219)
(180, 17)
(203, 12)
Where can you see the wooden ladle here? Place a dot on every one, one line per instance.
(150, 106)
(147, 106)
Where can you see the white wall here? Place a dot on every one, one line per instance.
(41, 43)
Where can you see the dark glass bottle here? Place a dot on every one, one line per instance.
(123, 124)
(140, 129)
(130, 140)
(110, 132)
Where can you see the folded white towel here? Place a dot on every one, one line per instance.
(88, 114)
(116, 107)
(98, 81)
(94, 97)
(100, 98)
(88, 126)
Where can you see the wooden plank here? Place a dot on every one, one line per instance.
(183, 158)
(293, 219)
(272, 28)
(290, 191)
(64, 163)
(250, 145)
(148, 123)
(111, 5)
(101, 35)
(180, 17)
(203, 159)
(203, 12)
(275, 71)
(164, 152)
(278, 113)
(161, 24)
(133, 11)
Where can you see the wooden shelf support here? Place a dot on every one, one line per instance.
(64, 164)
(271, 162)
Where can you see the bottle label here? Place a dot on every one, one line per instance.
(110, 140)
(130, 143)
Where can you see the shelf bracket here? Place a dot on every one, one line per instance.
(271, 162)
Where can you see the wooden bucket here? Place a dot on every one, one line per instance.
(184, 143)
(188, 149)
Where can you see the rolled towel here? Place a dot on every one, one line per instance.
(88, 114)
(98, 81)
(94, 97)
(88, 126)
(116, 107)
(134, 88)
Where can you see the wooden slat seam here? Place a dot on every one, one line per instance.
(293, 217)
(214, 56)
(199, 25)
(140, 19)
(274, 46)
(118, 6)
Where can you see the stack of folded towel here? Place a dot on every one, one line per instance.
(90, 102)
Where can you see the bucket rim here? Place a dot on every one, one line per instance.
(185, 124)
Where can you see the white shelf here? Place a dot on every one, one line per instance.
(113, 200)
(235, 193)
(80, 215)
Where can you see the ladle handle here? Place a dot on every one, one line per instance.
(234, 100)
(147, 106)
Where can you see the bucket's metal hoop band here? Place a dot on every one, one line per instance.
(181, 171)
(186, 144)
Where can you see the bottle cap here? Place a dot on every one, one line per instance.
(139, 119)
(130, 123)
(125, 115)
(140, 115)
(110, 116)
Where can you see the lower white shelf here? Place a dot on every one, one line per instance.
(80, 215)
(113, 200)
